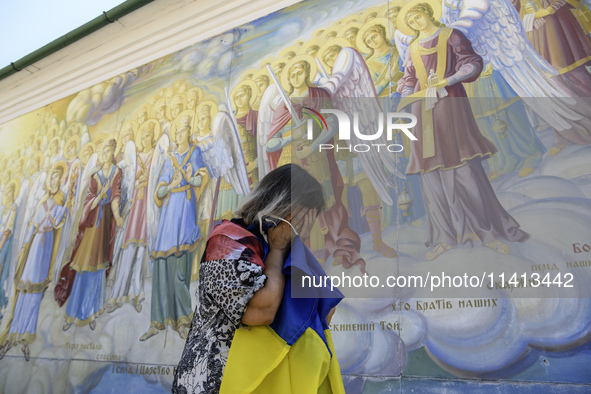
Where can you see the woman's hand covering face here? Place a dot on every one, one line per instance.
(281, 236)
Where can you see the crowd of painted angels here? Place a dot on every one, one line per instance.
(92, 217)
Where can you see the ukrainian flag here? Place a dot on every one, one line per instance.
(295, 353)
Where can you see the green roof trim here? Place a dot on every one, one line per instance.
(86, 29)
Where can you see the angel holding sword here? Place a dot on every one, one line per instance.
(297, 79)
(462, 205)
(362, 199)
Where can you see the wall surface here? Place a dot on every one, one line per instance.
(120, 321)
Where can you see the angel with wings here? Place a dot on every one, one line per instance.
(222, 141)
(496, 32)
(177, 179)
(450, 148)
(30, 192)
(240, 120)
(131, 242)
(7, 228)
(555, 33)
(93, 252)
(299, 93)
(33, 274)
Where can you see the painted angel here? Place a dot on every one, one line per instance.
(33, 274)
(8, 225)
(177, 179)
(93, 252)
(463, 207)
(495, 31)
(27, 199)
(222, 145)
(349, 86)
(63, 276)
(131, 242)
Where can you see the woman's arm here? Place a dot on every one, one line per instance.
(264, 304)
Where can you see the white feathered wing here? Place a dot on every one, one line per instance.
(161, 153)
(497, 34)
(128, 171)
(269, 104)
(352, 90)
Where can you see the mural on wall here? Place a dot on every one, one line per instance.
(107, 196)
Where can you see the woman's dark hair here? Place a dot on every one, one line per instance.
(278, 192)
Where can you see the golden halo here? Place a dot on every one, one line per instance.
(161, 102)
(179, 97)
(261, 73)
(9, 172)
(129, 123)
(268, 60)
(109, 137)
(179, 82)
(213, 108)
(124, 126)
(384, 22)
(75, 140)
(333, 30)
(184, 87)
(17, 186)
(299, 42)
(278, 62)
(55, 139)
(350, 19)
(143, 129)
(349, 26)
(144, 108)
(199, 92)
(177, 123)
(318, 32)
(253, 87)
(54, 127)
(169, 93)
(38, 156)
(58, 164)
(300, 58)
(367, 13)
(90, 145)
(340, 41)
(315, 41)
(23, 162)
(248, 73)
(391, 5)
(401, 19)
(289, 52)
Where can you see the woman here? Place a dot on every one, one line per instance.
(242, 282)
(340, 241)
(462, 206)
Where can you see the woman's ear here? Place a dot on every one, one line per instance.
(288, 217)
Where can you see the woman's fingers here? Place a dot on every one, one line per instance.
(298, 219)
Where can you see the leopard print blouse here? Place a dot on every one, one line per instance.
(225, 288)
